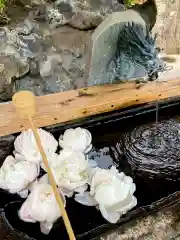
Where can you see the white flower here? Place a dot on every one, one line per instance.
(25, 145)
(41, 206)
(70, 174)
(15, 175)
(78, 139)
(53, 160)
(111, 191)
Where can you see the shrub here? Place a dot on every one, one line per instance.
(2, 5)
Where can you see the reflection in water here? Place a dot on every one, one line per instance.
(150, 157)
(152, 147)
(102, 157)
(157, 152)
(142, 148)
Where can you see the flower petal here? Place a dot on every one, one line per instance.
(78, 140)
(46, 227)
(25, 145)
(112, 217)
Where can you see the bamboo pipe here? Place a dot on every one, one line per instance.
(24, 102)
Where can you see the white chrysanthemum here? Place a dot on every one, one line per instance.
(53, 160)
(15, 175)
(111, 191)
(70, 174)
(41, 206)
(25, 145)
(78, 140)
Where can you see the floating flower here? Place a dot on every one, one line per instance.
(78, 140)
(71, 173)
(41, 206)
(53, 160)
(111, 191)
(25, 145)
(15, 175)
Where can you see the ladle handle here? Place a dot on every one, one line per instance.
(25, 104)
(52, 182)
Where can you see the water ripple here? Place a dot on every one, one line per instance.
(157, 152)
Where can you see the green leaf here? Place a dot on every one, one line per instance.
(130, 3)
(2, 4)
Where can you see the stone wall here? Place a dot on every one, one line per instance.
(168, 26)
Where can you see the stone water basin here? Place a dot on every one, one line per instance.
(131, 141)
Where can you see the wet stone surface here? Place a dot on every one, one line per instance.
(6, 146)
(163, 225)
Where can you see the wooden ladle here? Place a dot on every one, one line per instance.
(25, 104)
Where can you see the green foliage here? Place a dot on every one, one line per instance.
(130, 3)
(2, 5)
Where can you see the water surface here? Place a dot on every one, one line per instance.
(131, 144)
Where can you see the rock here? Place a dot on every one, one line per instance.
(85, 20)
(34, 67)
(46, 67)
(47, 58)
(12, 46)
(10, 68)
(31, 84)
(73, 52)
(167, 26)
(161, 225)
(40, 13)
(58, 81)
(27, 27)
(56, 18)
(99, 6)
(67, 39)
(89, 14)
(6, 147)
(30, 3)
(4, 19)
(6, 87)
(172, 62)
(37, 2)
(54, 76)
(168, 40)
(76, 15)
(13, 63)
(79, 14)
(56, 64)
(20, 49)
(14, 68)
(65, 8)
(59, 13)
